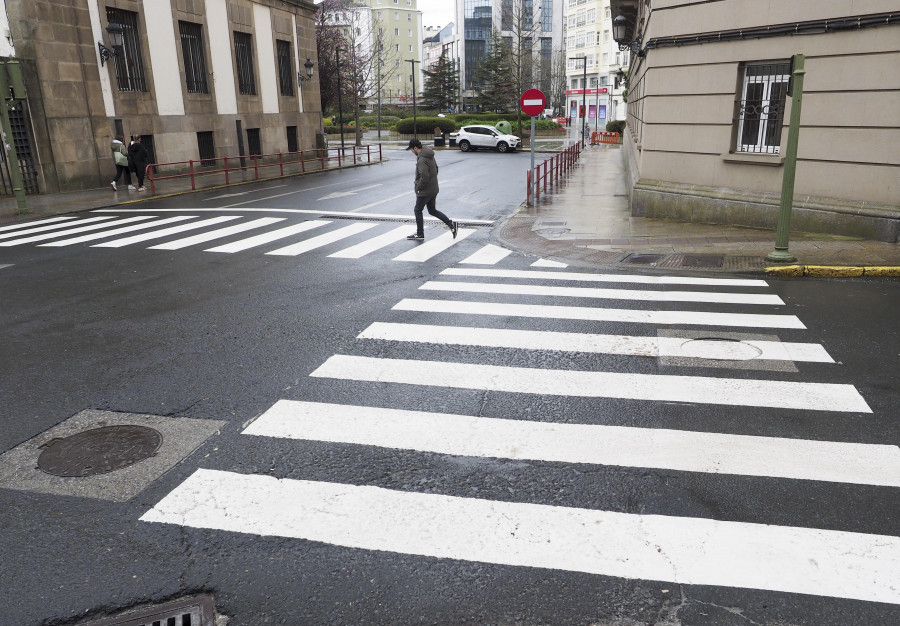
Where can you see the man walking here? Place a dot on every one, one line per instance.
(427, 189)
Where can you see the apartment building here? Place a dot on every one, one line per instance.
(398, 24)
(594, 92)
(196, 79)
(709, 105)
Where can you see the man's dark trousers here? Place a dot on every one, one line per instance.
(429, 201)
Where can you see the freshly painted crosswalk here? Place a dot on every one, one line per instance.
(523, 311)
(476, 436)
(683, 550)
(107, 231)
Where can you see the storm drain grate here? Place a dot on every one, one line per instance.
(643, 259)
(712, 261)
(192, 611)
(402, 220)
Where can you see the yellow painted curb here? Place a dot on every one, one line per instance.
(832, 270)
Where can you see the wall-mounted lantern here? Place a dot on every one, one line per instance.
(116, 39)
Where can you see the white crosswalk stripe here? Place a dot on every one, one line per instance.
(376, 243)
(159, 234)
(433, 247)
(488, 255)
(600, 344)
(72, 226)
(31, 224)
(117, 231)
(216, 234)
(674, 548)
(322, 240)
(269, 237)
(685, 550)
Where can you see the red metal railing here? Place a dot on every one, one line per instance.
(550, 171)
(229, 166)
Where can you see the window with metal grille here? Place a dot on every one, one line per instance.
(194, 57)
(285, 67)
(129, 62)
(207, 147)
(243, 57)
(293, 144)
(253, 142)
(760, 107)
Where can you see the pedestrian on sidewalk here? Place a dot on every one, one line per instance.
(120, 158)
(426, 187)
(138, 159)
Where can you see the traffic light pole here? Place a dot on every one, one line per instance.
(782, 235)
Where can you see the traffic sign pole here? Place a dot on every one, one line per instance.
(532, 103)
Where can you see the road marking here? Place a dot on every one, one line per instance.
(165, 232)
(41, 229)
(678, 450)
(592, 343)
(27, 224)
(264, 238)
(488, 255)
(391, 199)
(376, 243)
(5, 265)
(241, 193)
(395, 216)
(216, 234)
(118, 231)
(603, 278)
(605, 294)
(686, 318)
(589, 384)
(424, 251)
(323, 240)
(352, 192)
(548, 263)
(71, 231)
(683, 550)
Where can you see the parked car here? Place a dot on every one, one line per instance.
(470, 138)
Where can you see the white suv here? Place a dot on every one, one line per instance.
(478, 136)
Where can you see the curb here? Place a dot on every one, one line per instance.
(832, 270)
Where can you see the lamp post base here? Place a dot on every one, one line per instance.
(781, 256)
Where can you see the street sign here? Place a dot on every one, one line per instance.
(532, 102)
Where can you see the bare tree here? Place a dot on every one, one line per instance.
(355, 35)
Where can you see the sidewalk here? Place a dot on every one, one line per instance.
(586, 220)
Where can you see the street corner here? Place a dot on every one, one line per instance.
(833, 271)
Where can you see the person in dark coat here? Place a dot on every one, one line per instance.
(426, 187)
(138, 158)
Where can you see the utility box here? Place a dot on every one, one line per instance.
(321, 141)
(504, 127)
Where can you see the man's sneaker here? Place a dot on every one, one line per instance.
(454, 228)
(113, 185)
(132, 188)
(416, 236)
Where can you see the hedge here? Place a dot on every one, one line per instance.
(372, 120)
(615, 126)
(425, 125)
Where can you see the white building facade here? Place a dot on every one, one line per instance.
(594, 90)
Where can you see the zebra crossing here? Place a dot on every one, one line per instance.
(241, 234)
(671, 548)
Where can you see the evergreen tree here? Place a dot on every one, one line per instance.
(441, 84)
(496, 75)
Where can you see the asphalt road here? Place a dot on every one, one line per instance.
(186, 333)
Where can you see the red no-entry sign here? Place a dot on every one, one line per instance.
(532, 102)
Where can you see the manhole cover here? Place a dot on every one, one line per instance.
(643, 259)
(99, 450)
(552, 231)
(719, 348)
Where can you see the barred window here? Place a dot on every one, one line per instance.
(194, 57)
(243, 57)
(760, 108)
(129, 63)
(285, 67)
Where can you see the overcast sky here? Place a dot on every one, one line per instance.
(436, 12)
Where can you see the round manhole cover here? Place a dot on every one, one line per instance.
(99, 451)
(719, 348)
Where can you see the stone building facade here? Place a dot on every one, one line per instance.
(708, 112)
(195, 78)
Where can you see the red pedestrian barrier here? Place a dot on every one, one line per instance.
(550, 171)
(605, 137)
